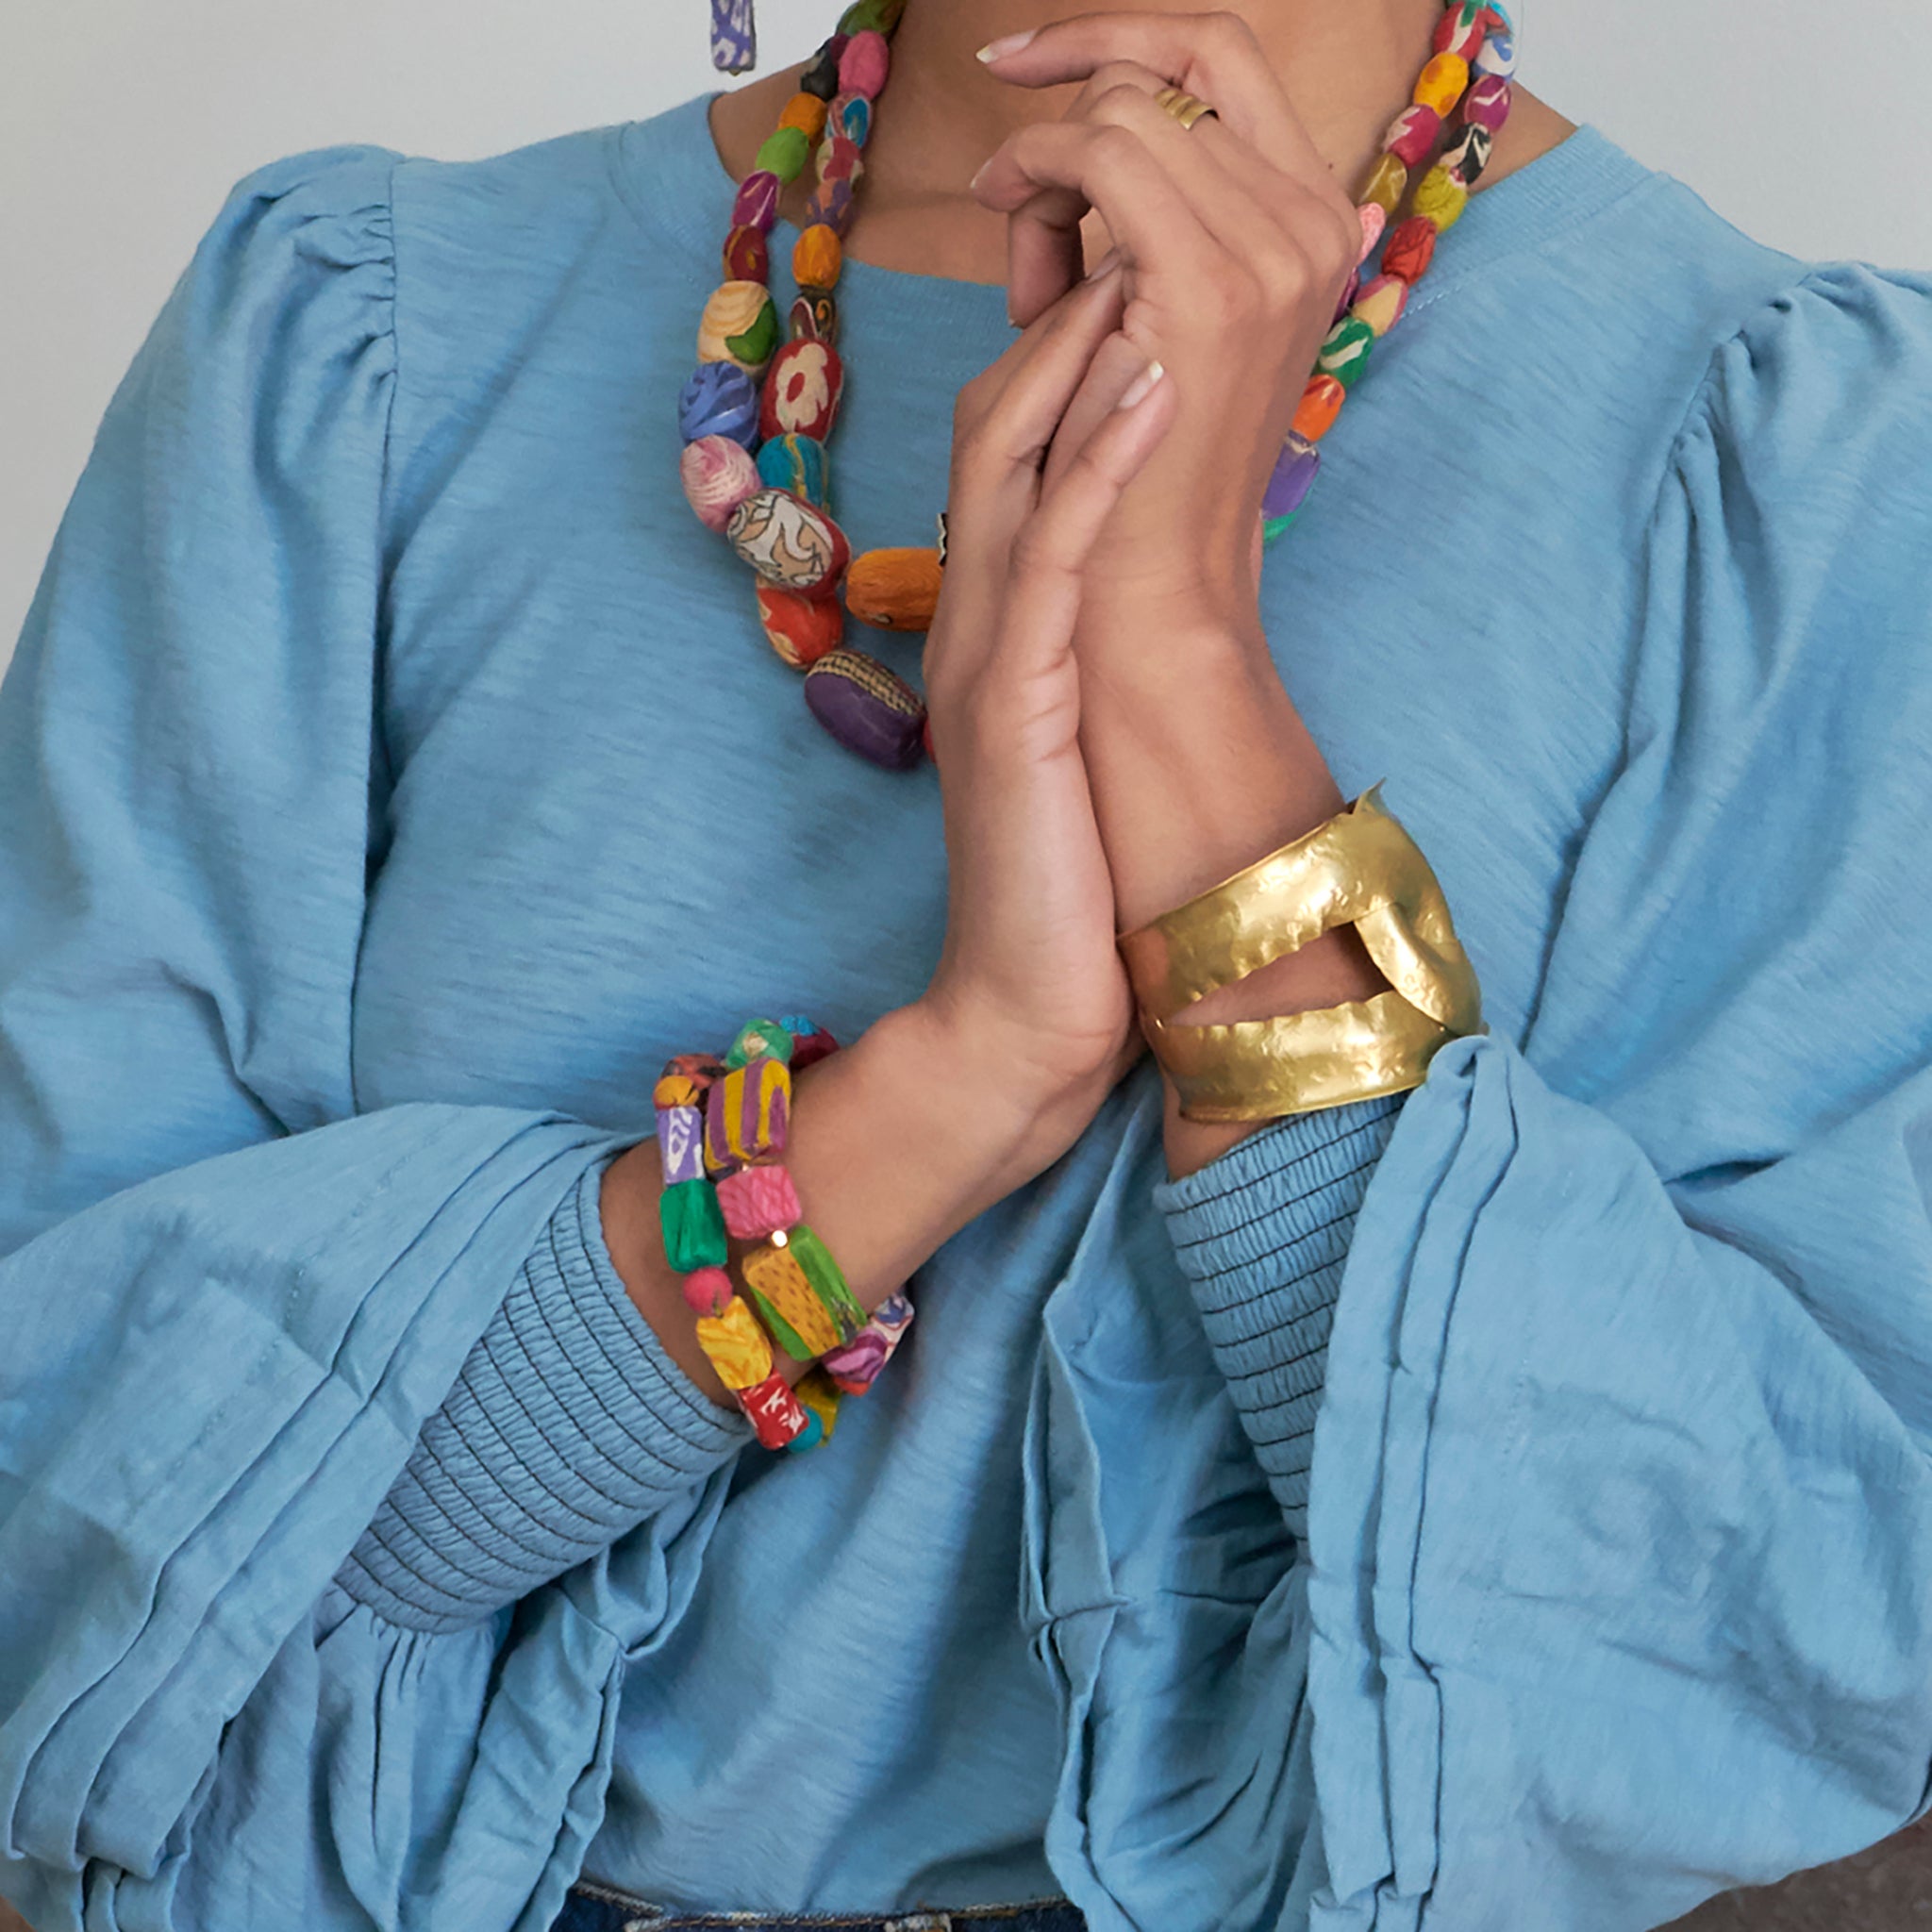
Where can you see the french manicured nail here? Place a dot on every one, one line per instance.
(1141, 386)
(1006, 44)
(1104, 266)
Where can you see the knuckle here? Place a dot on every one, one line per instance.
(1230, 29)
(1114, 146)
(1119, 102)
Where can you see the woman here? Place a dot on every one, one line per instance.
(393, 779)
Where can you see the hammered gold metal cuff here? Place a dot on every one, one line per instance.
(1259, 1069)
(1359, 868)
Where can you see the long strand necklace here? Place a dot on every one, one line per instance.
(757, 414)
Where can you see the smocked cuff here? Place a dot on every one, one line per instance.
(568, 1426)
(1261, 1235)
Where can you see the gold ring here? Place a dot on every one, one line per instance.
(1187, 109)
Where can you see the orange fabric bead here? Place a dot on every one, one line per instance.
(1387, 180)
(895, 589)
(806, 111)
(1319, 404)
(1441, 83)
(817, 257)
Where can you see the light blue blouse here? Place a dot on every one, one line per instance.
(391, 775)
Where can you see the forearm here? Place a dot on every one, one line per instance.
(896, 1143)
(1200, 765)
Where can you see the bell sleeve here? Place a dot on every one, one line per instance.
(258, 1341)
(1619, 1522)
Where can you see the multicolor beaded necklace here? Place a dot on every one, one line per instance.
(757, 413)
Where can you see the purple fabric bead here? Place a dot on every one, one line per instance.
(831, 203)
(734, 35)
(681, 1143)
(720, 399)
(867, 708)
(1295, 475)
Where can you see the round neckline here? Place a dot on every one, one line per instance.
(676, 183)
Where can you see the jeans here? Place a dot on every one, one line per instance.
(597, 1909)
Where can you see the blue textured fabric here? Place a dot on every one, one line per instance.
(1261, 1235)
(568, 1426)
(372, 769)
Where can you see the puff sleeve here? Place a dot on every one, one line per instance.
(233, 1304)
(1614, 1590)
(1621, 1509)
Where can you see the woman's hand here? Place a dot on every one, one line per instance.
(1030, 973)
(1237, 240)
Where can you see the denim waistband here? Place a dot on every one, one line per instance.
(597, 1909)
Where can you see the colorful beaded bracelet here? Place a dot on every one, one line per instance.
(1472, 38)
(722, 1126)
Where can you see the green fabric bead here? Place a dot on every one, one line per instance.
(693, 1226)
(827, 1279)
(780, 1330)
(785, 153)
(759, 1040)
(1277, 527)
(879, 16)
(1346, 354)
(756, 345)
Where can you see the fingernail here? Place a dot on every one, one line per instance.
(1006, 44)
(1141, 386)
(1104, 266)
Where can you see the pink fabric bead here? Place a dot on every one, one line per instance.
(707, 1290)
(1375, 218)
(718, 474)
(1487, 104)
(1412, 134)
(757, 1202)
(864, 64)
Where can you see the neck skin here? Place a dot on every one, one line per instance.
(1348, 70)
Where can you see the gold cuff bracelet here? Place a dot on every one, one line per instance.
(1359, 868)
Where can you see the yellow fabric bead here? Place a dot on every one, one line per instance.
(1440, 196)
(1381, 303)
(740, 1350)
(734, 309)
(817, 257)
(1440, 85)
(806, 111)
(1387, 180)
(773, 1276)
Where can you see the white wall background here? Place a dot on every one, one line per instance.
(123, 123)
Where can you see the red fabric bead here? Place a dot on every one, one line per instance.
(1409, 249)
(747, 255)
(809, 1048)
(1412, 134)
(776, 1414)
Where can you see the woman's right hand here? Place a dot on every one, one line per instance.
(1030, 984)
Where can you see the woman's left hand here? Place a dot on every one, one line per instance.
(1237, 240)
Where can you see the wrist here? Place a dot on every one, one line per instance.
(1013, 1105)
